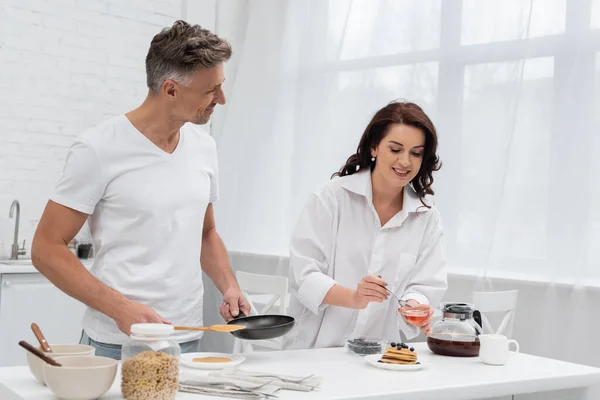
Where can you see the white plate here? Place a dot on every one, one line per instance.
(373, 358)
(186, 360)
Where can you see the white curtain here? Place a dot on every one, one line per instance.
(513, 87)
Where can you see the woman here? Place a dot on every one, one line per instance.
(369, 231)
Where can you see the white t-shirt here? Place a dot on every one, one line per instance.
(147, 212)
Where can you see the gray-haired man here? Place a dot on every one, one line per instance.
(146, 180)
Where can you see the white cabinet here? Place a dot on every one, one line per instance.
(30, 297)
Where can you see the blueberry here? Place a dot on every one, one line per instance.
(418, 363)
(379, 361)
(412, 349)
(404, 345)
(393, 344)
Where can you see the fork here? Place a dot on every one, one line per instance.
(225, 385)
(253, 390)
(277, 377)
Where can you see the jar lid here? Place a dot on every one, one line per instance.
(152, 329)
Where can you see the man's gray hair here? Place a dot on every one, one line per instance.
(177, 52)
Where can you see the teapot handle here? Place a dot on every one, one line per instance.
(477, 318)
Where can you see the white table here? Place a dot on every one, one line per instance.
(349, 377)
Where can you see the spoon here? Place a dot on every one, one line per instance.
(40, 337)
(401, 302)
(39, 354)
(213, 328)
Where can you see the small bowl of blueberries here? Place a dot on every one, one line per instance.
(364, 346)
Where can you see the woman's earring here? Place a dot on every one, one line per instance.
(373, 159)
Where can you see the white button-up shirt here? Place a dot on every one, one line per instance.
(339, 240)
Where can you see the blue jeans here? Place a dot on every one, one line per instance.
(114, 350)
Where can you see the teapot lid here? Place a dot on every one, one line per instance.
(458, 308)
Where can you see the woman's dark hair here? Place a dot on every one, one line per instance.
(397, 113)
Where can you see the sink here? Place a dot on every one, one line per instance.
(16, 262)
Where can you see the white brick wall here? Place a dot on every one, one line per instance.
(65, 65)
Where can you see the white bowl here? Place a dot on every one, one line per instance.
(36, 365)
(81, 377)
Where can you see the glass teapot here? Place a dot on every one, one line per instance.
(456, 334)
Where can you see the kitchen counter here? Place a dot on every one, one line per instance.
(26, 296)
(17, 269)
(349, 377)
(25, 266)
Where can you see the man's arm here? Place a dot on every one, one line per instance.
(51, 256)
(215, 264)
(213, 258)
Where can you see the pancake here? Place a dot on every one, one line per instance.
(401, 355)
(386, 361)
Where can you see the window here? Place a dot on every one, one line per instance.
(505, 158)
(365, 28)
(595, 14)
(508, 85)
(487, 21)
(594, 242)
(491, 74)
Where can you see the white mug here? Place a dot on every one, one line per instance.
(494, 349)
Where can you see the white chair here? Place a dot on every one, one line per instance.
(497, 302)
(270, 290)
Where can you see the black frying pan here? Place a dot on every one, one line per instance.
(262, 327)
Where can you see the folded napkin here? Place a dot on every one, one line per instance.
(288, 382)
(225, 387)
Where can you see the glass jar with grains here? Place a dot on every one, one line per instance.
(150, 358)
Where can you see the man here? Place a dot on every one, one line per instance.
(147, 181)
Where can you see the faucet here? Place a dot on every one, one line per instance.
(16, 251)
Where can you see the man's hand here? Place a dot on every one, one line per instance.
(233, 303)
(136, 313)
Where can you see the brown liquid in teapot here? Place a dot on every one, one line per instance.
(446, 344)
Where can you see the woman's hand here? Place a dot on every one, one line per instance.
(425, 325)
(370, 289)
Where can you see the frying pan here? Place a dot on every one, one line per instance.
(262, 327)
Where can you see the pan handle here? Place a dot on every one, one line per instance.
(240, 315)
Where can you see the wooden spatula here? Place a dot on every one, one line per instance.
(40, 337)
(212, 328)
(39, 354)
